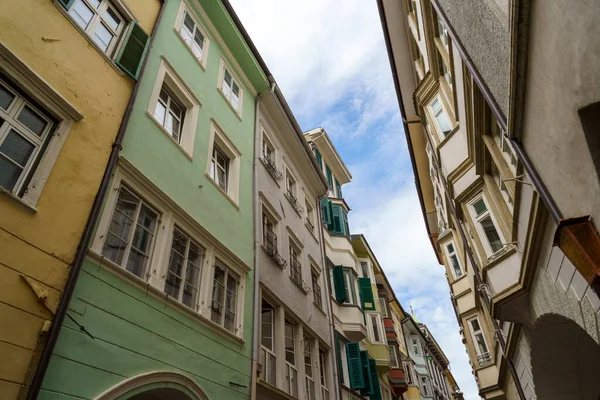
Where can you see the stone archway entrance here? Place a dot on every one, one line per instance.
(565, 360)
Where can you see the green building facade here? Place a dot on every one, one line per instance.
(163, 303)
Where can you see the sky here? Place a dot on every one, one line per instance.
(330, 61)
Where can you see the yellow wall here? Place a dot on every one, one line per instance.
(412, 393)
(41, 245)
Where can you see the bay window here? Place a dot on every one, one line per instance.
(481, 348)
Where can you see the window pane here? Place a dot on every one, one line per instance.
(127, 202)
(436, 106)
(199, 38)
(102, 37)
(6, 97)
(450, 248)
(218, 294)
(32, 121)
(112, 19)
(479, 207)
(188, 23)
(94, 3)
(444, 123)
(136, 263)
(82, 14)
(481, 343)
(114, 248)
(475, 325)
(267, 328)
(16, 148)
(9, 173)
(491, 233)
(455, 265)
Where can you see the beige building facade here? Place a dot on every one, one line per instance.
(497, 109)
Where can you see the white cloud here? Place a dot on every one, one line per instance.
(329, 58)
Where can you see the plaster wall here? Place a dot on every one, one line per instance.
(40, 244)
(558, 84)
(453, 152)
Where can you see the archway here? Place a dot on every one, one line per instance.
(565, 360)
(157, 385)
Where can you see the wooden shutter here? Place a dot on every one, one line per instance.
(355, 370)
(368, 387)
(376, 395)
(66, 3)
(132, 53)
(329, 176)
(339, 356)
(338, 282)
(325, 211)
(319, 158)
(366, 293)
(345, 221)
(338, 188)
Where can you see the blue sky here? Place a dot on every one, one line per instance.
(330, 61)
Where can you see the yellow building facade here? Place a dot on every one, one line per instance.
(65, 83)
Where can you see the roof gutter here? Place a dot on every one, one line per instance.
(87, 235)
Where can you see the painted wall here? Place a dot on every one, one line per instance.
(40, 245)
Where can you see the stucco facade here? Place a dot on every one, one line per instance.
(168, 282)
(81, 93)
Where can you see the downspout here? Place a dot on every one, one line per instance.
(82, 248)
(336, 375)
(256, 277)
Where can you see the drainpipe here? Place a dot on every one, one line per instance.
(336, 376)
(256, 208)
(88, 231)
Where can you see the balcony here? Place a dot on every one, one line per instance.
(271, 168)
(270, 247)
(398, 381)
(296, 275)
(351, 321)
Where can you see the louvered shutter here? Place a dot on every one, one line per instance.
(345, 221)
(329, 177)
(339, 356)
(338, 282)
(366, 293)
(376, 395)
(368, 387)
(132, 53)
(319, 158)
(325, 211)
(336, 220)
(66, 3)
(355, 369)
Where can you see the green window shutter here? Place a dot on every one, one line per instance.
(325, 211)
(368, 387)
(345, 221)
(330, 225)
(329, 177)
(337, 223)
(338, 282)
(366, 293)
(376, 395)
(338, 188)
(66, 3)
(339, 356)
(132, 53)
(319, 159)
(355, 370)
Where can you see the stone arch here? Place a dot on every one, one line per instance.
(565, 360)
(155, 385)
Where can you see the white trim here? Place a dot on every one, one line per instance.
(449, 255)
(479, 228)
(473, 333)
(183, 7)
(235, 80)
(218, 137)
(379, 324)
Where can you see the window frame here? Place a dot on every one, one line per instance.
(424, 384)
(295, 272)
(290, 380)
(443, 110)
(315, 277)
(474, 338)
(215, 165)
(171, 99)
(415, 345)
(449, 255)
(309, 379)
(234, 80)
(323, 381)
(272, 352)
(238, 293)
(383, 307)
(184, 9)
(489, 251)
(219, 138)
(393, 350)
(375, 320)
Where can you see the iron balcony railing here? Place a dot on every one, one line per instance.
(271, 167)
(484, 359)
(294, 201)
(270, 245)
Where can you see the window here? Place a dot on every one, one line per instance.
(23, 131)
(309, 216)
(486, 226)
(409, 375)
(385, 392)
(483, 354)
(441, 117)
(445, 71)
(268, 151)
(169, 113)
(376, 329)
(219, 168)
(349, 280)
(364, 266)
(230, 88)
(193, 35)
(130, 237)
(323, 373)
(383, 307)
(424, 386)
(291, 373)
(267, 340)
(100, 20)
(185, 268)
(338, 189)
(442, 33)
(290, 186)
(500, 181)
(224, 298)
(269, 236)
(454, 263)
(308, 369)
(503, 143)
(394, 359)
(295, 266)
(316, 288)
(329, 178)
(416, 347)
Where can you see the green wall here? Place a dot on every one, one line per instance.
(134, 332)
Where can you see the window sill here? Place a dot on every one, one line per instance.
(163, 130)
(293, 204)
(498, 257)
(312, 231)
(201, 63)
(17, 200)
(160, 295)
(237, 113)
(108, 59)
(224, 193)
(298, 285)
(271, 174)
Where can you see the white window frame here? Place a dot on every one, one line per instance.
(267, 365)
(97, 19)
(54, 104)
(408, 374)
(351, 291)
(185, 96)
(179, 26)
(310, 215)
(479, 228)
(309, 380)
(395, 360)
(323, 381)
(315, 271)
(424, 386)
(291, 189)
(291, 370)
(297, 251)
(415, 346)
(383, 307)
(375, 317)
(435, 112)
(227, 93)
(218, 137)
(450, 255)
(474, 334)
(236, 311)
